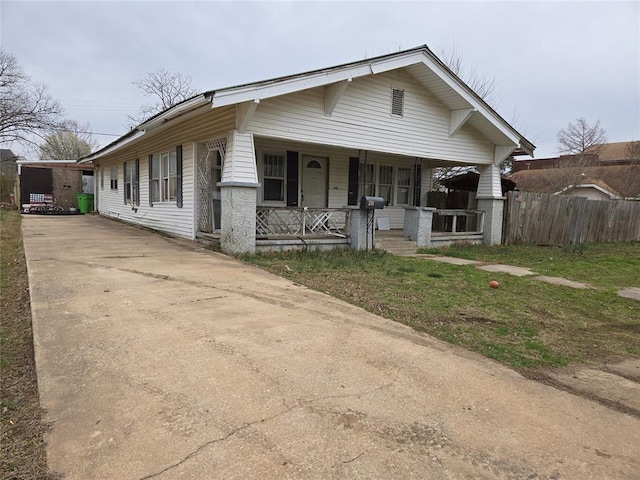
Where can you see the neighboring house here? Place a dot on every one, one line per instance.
(591, 189)
(63, 178)
(230, 161)
(612, 173)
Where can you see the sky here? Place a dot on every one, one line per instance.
(552, 61)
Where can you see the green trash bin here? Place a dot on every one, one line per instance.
(85, 202)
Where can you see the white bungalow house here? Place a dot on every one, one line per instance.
(276, 160)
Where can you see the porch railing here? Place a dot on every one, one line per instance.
(458, 221)
(302, 221)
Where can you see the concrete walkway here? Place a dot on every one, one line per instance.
(509, 269)
(157, 359)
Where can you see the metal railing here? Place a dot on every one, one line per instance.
(458, 221)
(302, 221)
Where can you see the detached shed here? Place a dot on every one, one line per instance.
(62, 178)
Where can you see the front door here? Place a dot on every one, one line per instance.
(314, 181)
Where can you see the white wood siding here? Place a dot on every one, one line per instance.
(240, 160)
(163, 216)
(490, 183)
(362, 120)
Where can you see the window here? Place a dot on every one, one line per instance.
(273, 177)
(164, 177)
(397, 102)
(404, 186)
(385, 183)
(131, 182)
(366, 180)
(393, 183)
(114, 178)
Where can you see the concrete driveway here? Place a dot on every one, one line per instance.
(158, 359)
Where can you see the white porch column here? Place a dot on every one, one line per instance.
(238, 192)
(490, 200)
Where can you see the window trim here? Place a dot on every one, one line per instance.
(114, 179)
(283, 178)
(376, 190)
(161, 178)
(408, 187)
(389, 201)
(132, 182)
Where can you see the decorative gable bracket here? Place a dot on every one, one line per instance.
(244, 114)
(502, 152)
(332, 95)
(457, 118)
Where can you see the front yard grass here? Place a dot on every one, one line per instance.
(609, 265)
(526, 324)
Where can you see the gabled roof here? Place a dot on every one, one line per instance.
(623, 180)
(611, 151)
(420, 62)
(596, 185)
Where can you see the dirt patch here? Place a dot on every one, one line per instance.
(611, 402)
(22, 448)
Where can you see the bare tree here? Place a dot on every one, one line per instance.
(69, 143)
(483, 85)
(26, 109)
(632, 151)
(166, 89)
(581, 138)
(631, 184)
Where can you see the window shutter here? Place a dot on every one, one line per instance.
(352, 196)
(292, 179)
(137, 166)
(179, 176)
(151, 180)
(417, 185)
(124, 181)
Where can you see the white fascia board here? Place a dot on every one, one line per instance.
(232, 96)
(389, 64)
(113, 147)
(470, 99)
(174, 112)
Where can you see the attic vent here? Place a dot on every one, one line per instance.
(397, 101)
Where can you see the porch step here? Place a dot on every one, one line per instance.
(397, 246)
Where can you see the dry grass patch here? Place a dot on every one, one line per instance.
(22, 449)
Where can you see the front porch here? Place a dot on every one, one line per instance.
(305, 228)
(295, 196)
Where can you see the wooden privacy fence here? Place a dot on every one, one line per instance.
(558, 220)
